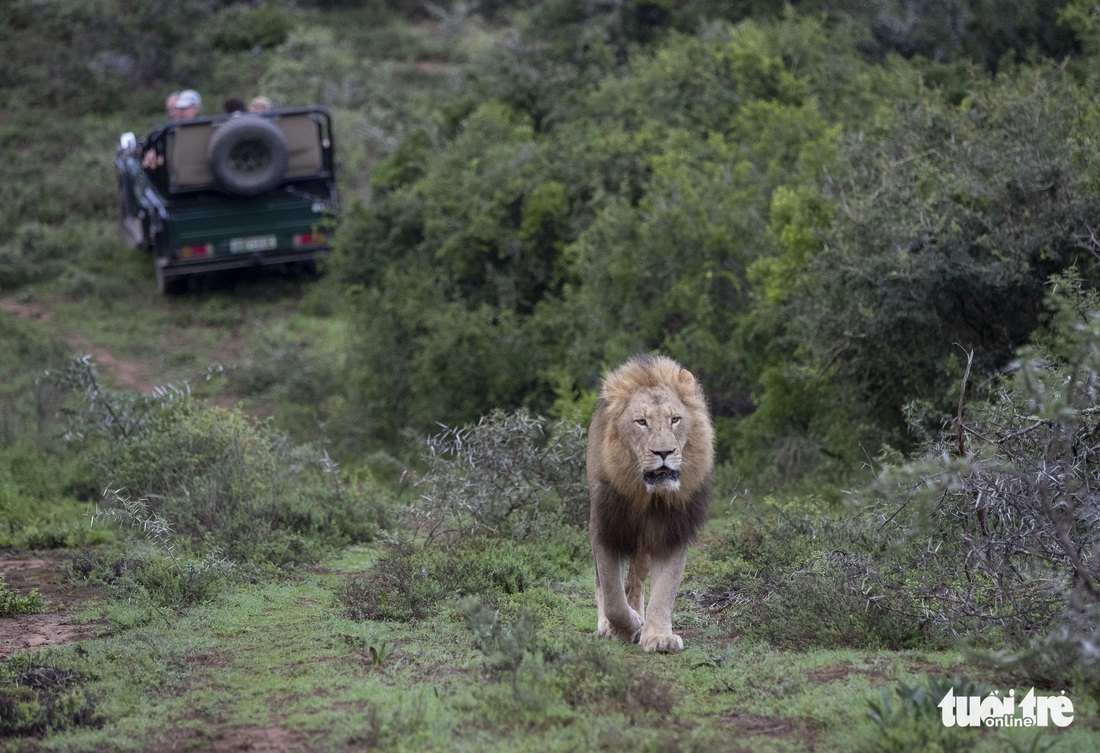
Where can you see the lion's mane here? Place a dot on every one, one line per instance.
(625, 516)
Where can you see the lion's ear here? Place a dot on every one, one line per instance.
(686, 378)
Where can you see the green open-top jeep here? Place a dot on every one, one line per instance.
(229, 191)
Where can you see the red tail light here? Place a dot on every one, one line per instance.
(199, 249)
(305, 240)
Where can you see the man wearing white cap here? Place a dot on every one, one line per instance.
(188, 105)
(183, 105)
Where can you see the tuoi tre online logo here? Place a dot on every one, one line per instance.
(996, 711)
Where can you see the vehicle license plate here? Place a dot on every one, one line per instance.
(256, 243)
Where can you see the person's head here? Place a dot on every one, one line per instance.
(259, 105)
(234, 104)
(188, 105)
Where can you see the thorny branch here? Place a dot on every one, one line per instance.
(508, 470)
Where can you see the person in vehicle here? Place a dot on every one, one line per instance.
(259, 105)
(184, 105)
(188, 105)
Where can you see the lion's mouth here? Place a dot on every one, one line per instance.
(662, 475)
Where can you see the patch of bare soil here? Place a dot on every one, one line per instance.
(23, 632)
(840, 671)
(24, 310)
(798, 730)
(257, 738)
(236, 739)
(125, 375)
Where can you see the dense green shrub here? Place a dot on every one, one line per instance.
(92, 56)
(797, 583)
(594, 676)
(38, 505)
(25, 355)
(501, 509)
(37, 697)
(247, 28)
(312, 66)
(909, 718)
(808, 231)
(511, 257)
(1007, 498)
(12, 603)
(953, 220)
(223, 479)
(154, 571)
(986, 35)
(836, 600)
(412, 582)
(543, 674)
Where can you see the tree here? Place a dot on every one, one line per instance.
(950, 221)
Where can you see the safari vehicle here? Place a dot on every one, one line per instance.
(229, 191)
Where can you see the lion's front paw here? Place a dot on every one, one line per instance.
(626, 630)
(664, 643)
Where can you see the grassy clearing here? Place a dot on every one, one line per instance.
(266, 340)
(279, 655)
(262, 658)
(270, 658)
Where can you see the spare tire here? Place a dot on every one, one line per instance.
(247, 155)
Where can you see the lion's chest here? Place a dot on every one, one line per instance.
(655, 524)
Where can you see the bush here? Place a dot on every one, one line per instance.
(166, 575)
(1065, 656)
(1002, 516)
(797, 584)
(12, 603)
(23, 400)
(552, 238)
(39, 698)
(954, 219)
(504, 645)
(229, 482)
(37, 510)
(94, 410)
(36, 253)
(146, 574)
(909, 718)
(313, 66)
(832, 602)
(413, 583)
(248, 28)
(543, 674)
(512, 475)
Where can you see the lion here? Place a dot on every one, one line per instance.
(650, 468)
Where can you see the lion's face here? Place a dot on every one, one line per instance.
(655, 426)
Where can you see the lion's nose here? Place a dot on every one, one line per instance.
(662, 454)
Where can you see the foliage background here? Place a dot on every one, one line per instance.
(868, 226)
(817, 208)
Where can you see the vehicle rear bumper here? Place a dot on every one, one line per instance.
(171, 268)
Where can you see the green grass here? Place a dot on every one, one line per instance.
(267, 340)
(280, 655)
(12, 603)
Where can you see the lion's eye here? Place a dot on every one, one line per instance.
(675, 420)
(641, 422)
